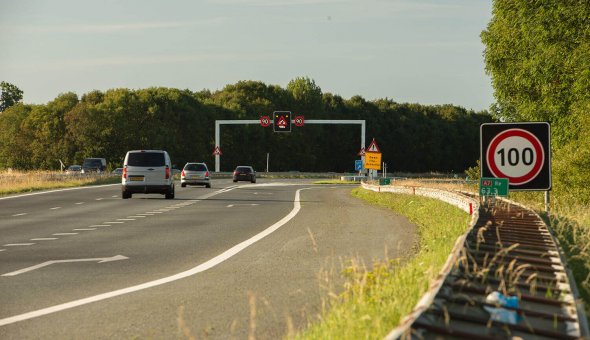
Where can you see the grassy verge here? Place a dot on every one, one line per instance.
(15, 182)
(373, 302)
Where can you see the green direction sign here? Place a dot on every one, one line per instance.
(385, 181)
(491, 186)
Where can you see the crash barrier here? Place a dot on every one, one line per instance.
(505, 278)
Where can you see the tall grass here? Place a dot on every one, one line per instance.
(14, 182)
(375, 299)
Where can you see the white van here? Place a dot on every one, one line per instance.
(147, 172)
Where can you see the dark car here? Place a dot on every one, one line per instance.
(244, 173)
(94, 165)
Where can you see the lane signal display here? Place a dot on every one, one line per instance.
(282, 121)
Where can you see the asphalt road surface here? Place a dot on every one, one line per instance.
(233, 261)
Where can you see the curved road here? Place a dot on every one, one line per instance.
(226, 262)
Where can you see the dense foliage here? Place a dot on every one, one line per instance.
(412, 137)
(538, 55)
(9, 95)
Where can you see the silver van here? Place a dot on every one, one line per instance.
(147, 172)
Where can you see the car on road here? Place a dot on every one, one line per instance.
(244, 173)
(147, 172)
(73, 169)
(97, 165)
(195, 174)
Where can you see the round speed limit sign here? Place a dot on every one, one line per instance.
(515, 154)
(519, 152)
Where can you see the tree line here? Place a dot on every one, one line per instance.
(412, 137)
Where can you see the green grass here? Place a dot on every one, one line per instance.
(373, 302)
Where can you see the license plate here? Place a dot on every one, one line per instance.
(136, 179)
(195, 176)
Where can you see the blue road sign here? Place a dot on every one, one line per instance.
(358, 165)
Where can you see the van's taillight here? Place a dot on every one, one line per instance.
(182, 173)
(125, 173)
(207, 174)
(167, 172)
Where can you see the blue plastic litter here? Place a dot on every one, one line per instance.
(500, 314)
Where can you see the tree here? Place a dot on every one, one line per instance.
(9, 95)
(538, 56)
(307, 95)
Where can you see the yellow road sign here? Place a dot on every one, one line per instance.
(373, 160)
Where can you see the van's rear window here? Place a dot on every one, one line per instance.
(146, 159)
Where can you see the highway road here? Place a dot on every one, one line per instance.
(227, 262)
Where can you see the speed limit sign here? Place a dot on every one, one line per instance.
(520, 152)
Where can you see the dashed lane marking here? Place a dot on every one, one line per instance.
(54, 208)
(84, 229)
(17, 244)
(138, 216)
(64, 234)
(126, 219)
(98, 225)
(78, 203)
(45, 239)
(17, 215)
(113, 222)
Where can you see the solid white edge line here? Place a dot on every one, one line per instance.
(198, 269)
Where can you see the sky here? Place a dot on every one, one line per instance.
(410, 51)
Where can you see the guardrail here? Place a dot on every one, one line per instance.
(506, 277)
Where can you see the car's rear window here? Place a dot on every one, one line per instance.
(244, 169)
(146, 159)
(195, 167)
(92, 163)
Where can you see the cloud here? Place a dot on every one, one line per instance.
(109, 28)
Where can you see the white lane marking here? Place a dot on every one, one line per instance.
(84, 229)
(246, 204)
(154, 212)
(99, 199)
(17, 244)
(79, 203)
(54, 208)
(44, 239)
(126, 219)
(98, 225)
(21, 214)
(49, 263)
(64, 234)
(138, 216)
(58, 190)
(147, 214)
(198, 269)
(2, 249)
(115, 196)
(113, 222)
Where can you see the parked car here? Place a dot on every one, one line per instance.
(147, 172)
(117, 171)
(94, 165)
(244, 173)
(195, 174)
(73, 169)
